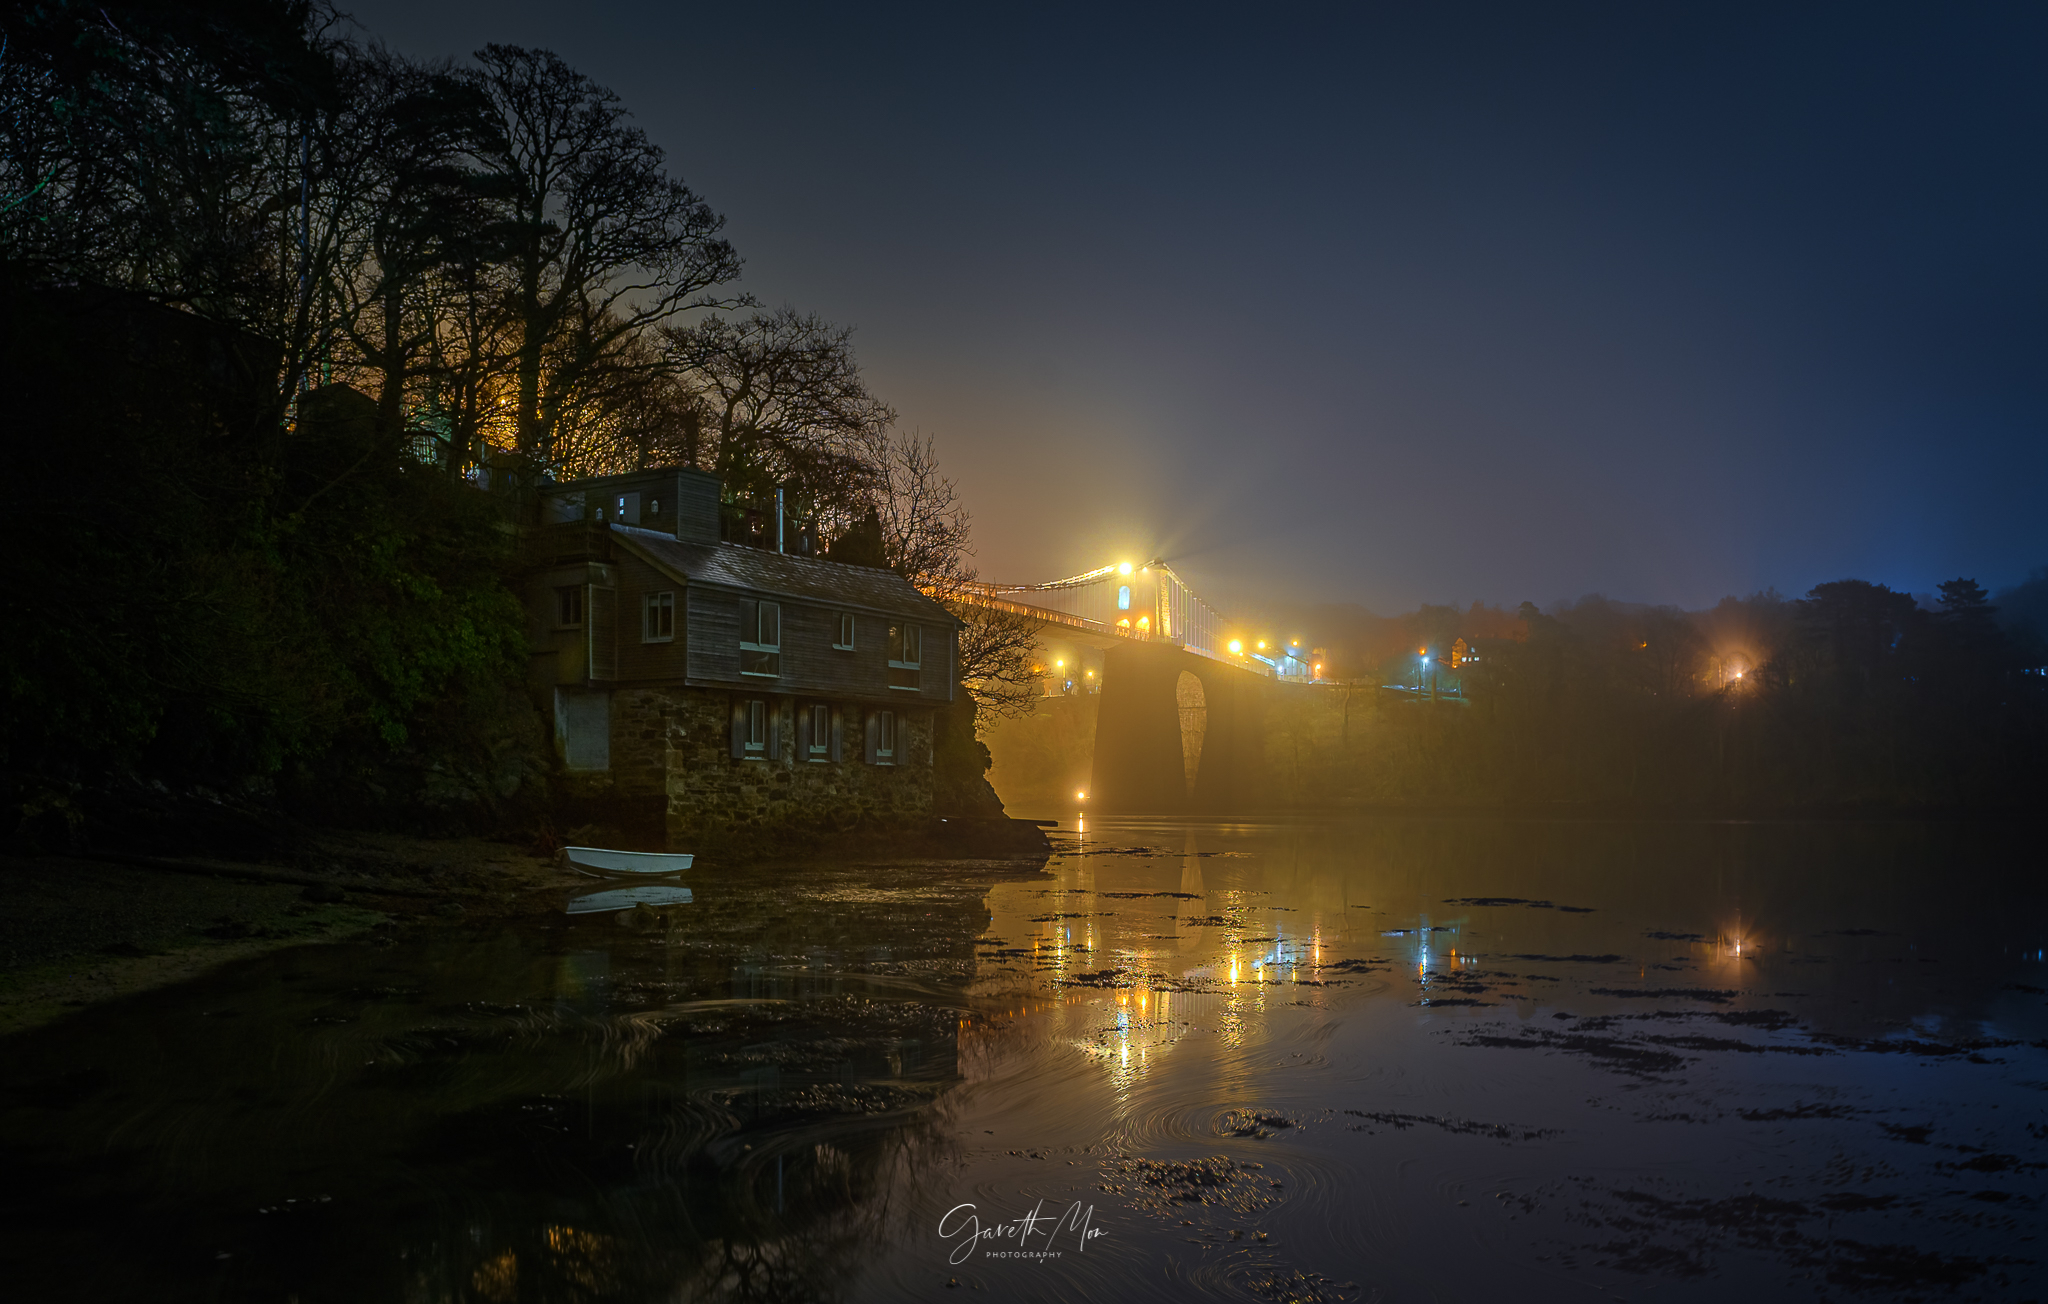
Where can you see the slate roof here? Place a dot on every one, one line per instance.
(755, 570)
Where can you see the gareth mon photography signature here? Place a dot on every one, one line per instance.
(1012, 1239)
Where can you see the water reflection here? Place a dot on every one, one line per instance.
(1432, 1058)
(593, 1108)
(651, 896)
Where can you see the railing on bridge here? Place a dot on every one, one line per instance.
(1140, 602)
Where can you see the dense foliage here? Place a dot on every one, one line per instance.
(204, 597)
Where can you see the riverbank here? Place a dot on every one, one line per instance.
(79, 930)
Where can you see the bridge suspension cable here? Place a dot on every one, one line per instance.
(1144, 602)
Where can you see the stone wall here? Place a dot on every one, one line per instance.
(678, 742)
(641, 720)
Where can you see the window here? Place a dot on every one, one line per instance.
(757, 728)
(760, 638)
(906, 647)
(818, 740)
(844, 642)
(569, 607)
(658, 621)
(1123, 597)
(885, 738)
(628, 509)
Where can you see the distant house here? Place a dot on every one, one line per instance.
(736, 685)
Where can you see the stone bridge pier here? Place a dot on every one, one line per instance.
(1177, 733)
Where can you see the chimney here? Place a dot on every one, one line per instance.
(696, 507)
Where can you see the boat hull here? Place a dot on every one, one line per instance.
(606, 863)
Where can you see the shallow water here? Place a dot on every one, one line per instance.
(1401, 1060)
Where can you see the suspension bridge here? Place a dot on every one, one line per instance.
(1182, 690)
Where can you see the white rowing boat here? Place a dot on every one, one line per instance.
(606, 863)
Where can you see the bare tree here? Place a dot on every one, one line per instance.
(603, 243)
(784, 405)
(926, 536)
(419, 214)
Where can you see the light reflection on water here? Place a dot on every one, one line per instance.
(1433, 1059)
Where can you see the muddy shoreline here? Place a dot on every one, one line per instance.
(79, 930)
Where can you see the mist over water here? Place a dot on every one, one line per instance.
(1294, 1059)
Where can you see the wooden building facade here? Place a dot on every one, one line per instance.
(740, 686)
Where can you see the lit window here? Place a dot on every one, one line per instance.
(906, 655)
(569, 607)
(844, 642)
(1123, 597)
(658, 618)
(760, 638)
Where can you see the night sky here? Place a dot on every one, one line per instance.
(1392, 304)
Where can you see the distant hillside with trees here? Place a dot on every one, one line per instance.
(1853, 697)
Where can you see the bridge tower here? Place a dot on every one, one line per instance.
(1177, 733)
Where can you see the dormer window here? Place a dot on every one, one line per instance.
(906, 649)
(761, 639)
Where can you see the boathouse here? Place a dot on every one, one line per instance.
(728, 685)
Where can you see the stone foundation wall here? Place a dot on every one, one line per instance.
(641, 719)
(678, 741)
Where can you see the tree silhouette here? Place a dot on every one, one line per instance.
(602, 242)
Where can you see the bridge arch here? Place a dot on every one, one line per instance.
(1176, 732)
(1180, 721)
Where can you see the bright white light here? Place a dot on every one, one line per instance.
(1124, 569)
